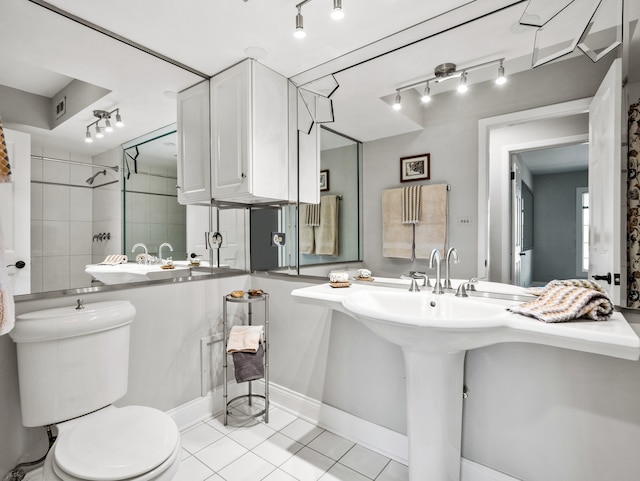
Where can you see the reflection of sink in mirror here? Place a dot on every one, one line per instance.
(126, 273)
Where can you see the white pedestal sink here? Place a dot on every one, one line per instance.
(434, 332)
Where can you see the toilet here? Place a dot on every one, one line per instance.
(73, 364)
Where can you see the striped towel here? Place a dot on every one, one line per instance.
(411, 204)
(586, 283)
(114, 260)
(566, 303)
(5, 167)
(312, 215)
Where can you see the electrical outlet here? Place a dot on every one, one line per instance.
(464, 221)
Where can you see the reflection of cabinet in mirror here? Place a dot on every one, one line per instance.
(248, 131)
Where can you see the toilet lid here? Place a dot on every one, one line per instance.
(117, 444)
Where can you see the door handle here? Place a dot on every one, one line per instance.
(18, 265)
(603, 278)
(522, 254)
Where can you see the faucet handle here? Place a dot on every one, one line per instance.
(414, 285)
(462, 292)
(421, 275)
(471, 284)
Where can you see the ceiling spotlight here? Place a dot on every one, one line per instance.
(119, 122)
(337, 13)
(462, 88)
(107, 126)
(501, 79)
(88, 139)
(99, 132)
(397, 105)
(426, 96)
(299, 32)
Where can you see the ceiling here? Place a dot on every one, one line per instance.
(44, 51)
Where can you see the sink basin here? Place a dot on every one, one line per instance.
(125, 273)
(434, 333)
(428, 321)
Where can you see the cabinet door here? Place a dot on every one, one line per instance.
(194, 158)
(230, 125)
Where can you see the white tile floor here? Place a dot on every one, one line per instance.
(286, 449)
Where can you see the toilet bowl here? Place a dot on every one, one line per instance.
(132, 443)
(73, 363)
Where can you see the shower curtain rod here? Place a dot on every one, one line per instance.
(115, 168)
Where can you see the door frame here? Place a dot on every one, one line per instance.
(495, 265)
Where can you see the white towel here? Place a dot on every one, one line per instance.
(397, 238)
(7, 306)
(326, 235)
(114, 260)
(432, 230)
(244, 339)
(411, 204)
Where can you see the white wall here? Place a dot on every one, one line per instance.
(107, 206)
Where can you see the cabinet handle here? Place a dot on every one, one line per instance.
(243, 175)
(178, 187)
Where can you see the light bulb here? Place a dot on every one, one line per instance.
(99, 132)
(397, 105)
(88, 139)
(299, 32)
(107, 126)
(462, 88)
(119, 122)
(501, 79)
(426, 96)
(337, 13)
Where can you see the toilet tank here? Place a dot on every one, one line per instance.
(72, 361)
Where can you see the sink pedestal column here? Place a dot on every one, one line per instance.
(434, 383)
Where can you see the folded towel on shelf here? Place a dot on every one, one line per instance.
(114, 260)
(311, 215)
(326, 234)
(566, 303)
(244, 338)
(411, 204)
(5, 166)
(432, 230)
(397, 238)
(248, 366)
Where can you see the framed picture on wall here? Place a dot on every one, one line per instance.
(324, 180)
(416, 167)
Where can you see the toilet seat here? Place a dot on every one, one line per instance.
(130, 443)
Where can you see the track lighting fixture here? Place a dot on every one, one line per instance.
(501, 79)
(448, 71)
(299, 32)
(337, 13)
(105, 116)
(462, 88)
(426, 96)
(397, 104)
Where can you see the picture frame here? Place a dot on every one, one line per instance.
(324, 180)
(415, 167)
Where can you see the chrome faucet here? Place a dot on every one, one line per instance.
(452, 253)
(146, 252)
(414, 285)
(421, 275)
(164, 244)
(436, 259)
(466, 286)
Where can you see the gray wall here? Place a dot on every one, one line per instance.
(555, 225)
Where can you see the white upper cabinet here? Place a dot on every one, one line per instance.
(249, 135)
(194, 157)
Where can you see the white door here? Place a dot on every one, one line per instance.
(516, 223)
(605, 127)
(15, 211)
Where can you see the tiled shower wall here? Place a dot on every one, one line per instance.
(62, 220)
